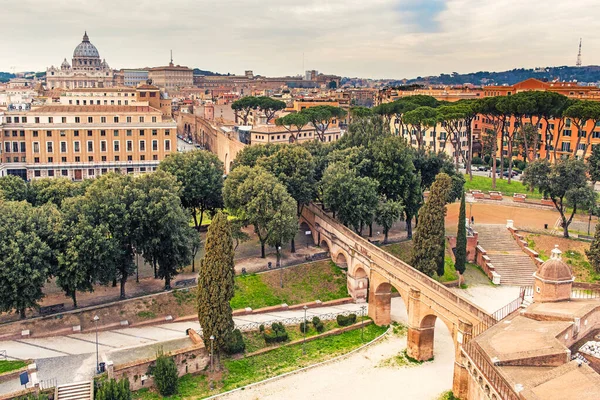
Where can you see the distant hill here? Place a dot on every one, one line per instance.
(588, 74)
(6, 76)
(198, 71)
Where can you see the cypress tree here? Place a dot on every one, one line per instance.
(593, 254)
(461, 239)
(428, 242)
(216, 284)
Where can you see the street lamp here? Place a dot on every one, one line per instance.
(304, 330)
(212, 355)
(362, 323)
(96, 319)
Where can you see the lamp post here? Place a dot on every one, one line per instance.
(304, 330)
(362, 323)
(212, 354)
(96, 319)
(279, 265)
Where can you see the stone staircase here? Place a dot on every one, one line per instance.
(513, 265)
(75, 391)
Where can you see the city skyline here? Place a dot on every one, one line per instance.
(381, 39)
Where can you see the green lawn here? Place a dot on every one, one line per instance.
(484, 184)
(244, 371)
(321, 280)
(402, 251)
(7, 366)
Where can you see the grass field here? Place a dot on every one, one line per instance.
(402, 251)
(321, 280)
(7, 366)
(484, 184)
(244, 371)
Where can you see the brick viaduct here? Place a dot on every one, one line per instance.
(372, 273)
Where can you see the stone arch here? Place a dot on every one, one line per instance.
(308, 239)
(358, 283)
(421, 338)
(324, 244)
(341, 260)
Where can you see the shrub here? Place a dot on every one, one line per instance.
(165, 375)
(476, 161)
(304, 326)
(343, 320)
(320, 327)
(235, 343)
(276, 334)
(111, 390)
(261, 328)
(316, 320)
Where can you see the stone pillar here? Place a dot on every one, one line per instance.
(357, 288)
(380, 305)
(460, 381)
(419, 344)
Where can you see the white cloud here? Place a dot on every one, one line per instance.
(375, 38)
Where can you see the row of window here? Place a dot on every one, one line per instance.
(91, 102)
(90, 146)
(36, 160)
(90, 172)
(90, 120)
(128, 132)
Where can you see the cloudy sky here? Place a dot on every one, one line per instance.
(366, 38)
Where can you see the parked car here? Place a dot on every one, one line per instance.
(513, 174)
(483, 168)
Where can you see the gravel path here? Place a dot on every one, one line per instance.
(360, 376)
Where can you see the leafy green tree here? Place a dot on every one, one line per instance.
(26, 259)
(565, 183)
(420, 120)
(363, 132)
(216, 283)
(428, 243)
(593, 253)
(109, 204)
(387, 213)
(13, 188)
(250, 155)
(581, 112)
(269, 106)
(258, 198)
(461, 239)
(84, 250)
(165, 375)
(351, 197)
(51, 190)
(244, 106)
(200, 174)
(114, 390)
(160, 226)
(361, 112)
(321, 116)
(294, 123)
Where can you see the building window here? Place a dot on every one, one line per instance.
(153, 119)
(142, 145)
(116, 145)
(155, 132)
(567, 132)
(103, 158)
(142, 158)
(63, 159)
(103, 145)
(63, 147)
(48, 133)
(167, 132)
(77, 120)
(141, 119)
(155, 145)
(7, 147)
(36, 147)
(49, 147)
(129, 119)
(103, 120)
(64, 172)
(90, 158)
(129, 158)
(90, 120)
(51, 173)
(50, 120)
(64, 120)
(90, 133)
(116, 158)
(22, 133)
(76, 133)
(565, 146)
(90, 146)
(37, 120)
(167, 145)
(116, 120)
(91, 172)
(35, 134)
(155, 157)
(50, 159)
(36, 160)
(76, 147)
(15, 147)
(142, 132)
(129, 132)
(129, 145)
(77, 159)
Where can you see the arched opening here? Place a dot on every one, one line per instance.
(341, 261)
(230, 166)
(225, 163)
(358, 284)
(380, 304)
(305, 235)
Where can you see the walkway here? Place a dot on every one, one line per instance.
(513, 265)
(72, 358)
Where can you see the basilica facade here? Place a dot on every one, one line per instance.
(87, 70)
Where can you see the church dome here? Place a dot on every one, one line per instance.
(555, 269)
(86, 49)
(65, 64)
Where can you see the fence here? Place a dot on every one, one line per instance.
(578, 293)
(48, 383)
(490, 372)
(2, 354)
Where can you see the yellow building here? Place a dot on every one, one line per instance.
(78, 142)
(278, 135)
(171, 77)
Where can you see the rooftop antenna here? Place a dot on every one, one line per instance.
(171, 58)
(578, 63)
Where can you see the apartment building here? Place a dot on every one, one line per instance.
(83, 141)
(279, 135)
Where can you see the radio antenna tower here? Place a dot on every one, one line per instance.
(578, 63)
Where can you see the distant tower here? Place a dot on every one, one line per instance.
(578, 63)
(171, 63)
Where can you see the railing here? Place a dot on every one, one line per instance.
(579, 293)
(48, 383)
(490, 372)
(510, 308)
